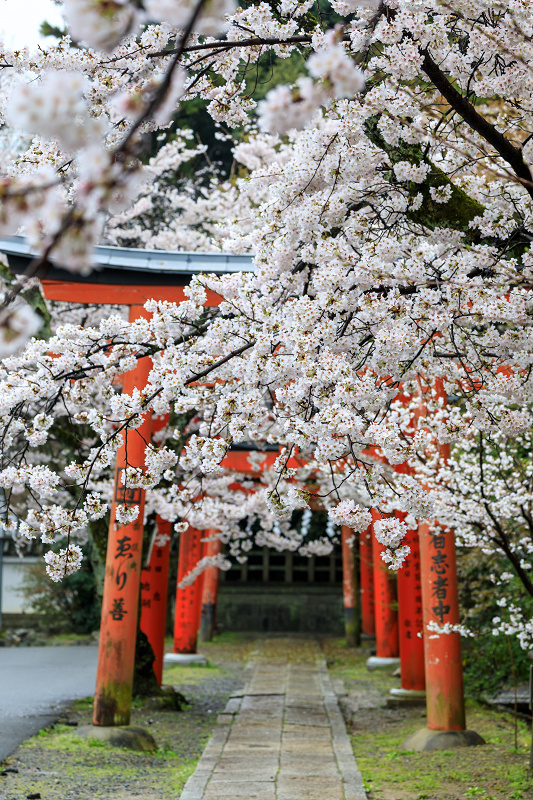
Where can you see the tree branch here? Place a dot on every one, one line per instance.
(505, 149)
(226, 44)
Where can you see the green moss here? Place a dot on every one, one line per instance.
(83, 704)
(384, 767)
(193, 674)
(460, 209)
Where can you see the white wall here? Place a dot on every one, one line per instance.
(12, 599)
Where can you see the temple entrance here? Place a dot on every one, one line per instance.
(282, 592)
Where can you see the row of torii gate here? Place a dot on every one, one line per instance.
(396, 612)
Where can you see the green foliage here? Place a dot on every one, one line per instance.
(46, 29)
(271, 71)
(489, 661)
(488, 667)
(259, 77)
(69, 606)
(34, 298)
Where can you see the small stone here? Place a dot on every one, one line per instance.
(131, 737)
(34, 796)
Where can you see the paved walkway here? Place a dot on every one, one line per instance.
(281, 738)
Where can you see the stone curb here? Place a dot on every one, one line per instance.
(195, 787)
(353, 782)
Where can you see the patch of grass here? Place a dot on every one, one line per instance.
(192, 674)
(496, 770)
(83, 704)
(491, 772)
(229, 647)
(181, 775)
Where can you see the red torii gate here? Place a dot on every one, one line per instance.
(131, 278)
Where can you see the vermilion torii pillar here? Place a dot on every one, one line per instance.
(154, 593)
(387, 645)
(209, 590)
(154, 581)
(118, 631)
(410, 624)
(350, 585)
(188, 599)
(446, 723)
(445, 704)
(368, 611)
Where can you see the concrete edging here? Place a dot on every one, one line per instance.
(352, 779)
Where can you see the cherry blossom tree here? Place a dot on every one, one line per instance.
(387, 203)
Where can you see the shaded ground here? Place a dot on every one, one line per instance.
(495, 771)
(56, 766)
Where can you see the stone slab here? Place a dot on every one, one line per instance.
(304, 717)
(378, 662)
(317, 747)
(311, 788)
(233, 705)
(424, 739)
(131, 737)
(252, 790)
(184, 659)
(244, 773)
(308, 731)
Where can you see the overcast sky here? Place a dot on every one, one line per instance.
(20, 20)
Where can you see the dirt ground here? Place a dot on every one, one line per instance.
(56, 765)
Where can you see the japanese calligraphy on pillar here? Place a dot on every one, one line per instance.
(154, 588)
(440, 579)
(123, 494)
(126, 545)
(410, 581)
(116, 654)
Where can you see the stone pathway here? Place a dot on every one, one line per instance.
(282, 738)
